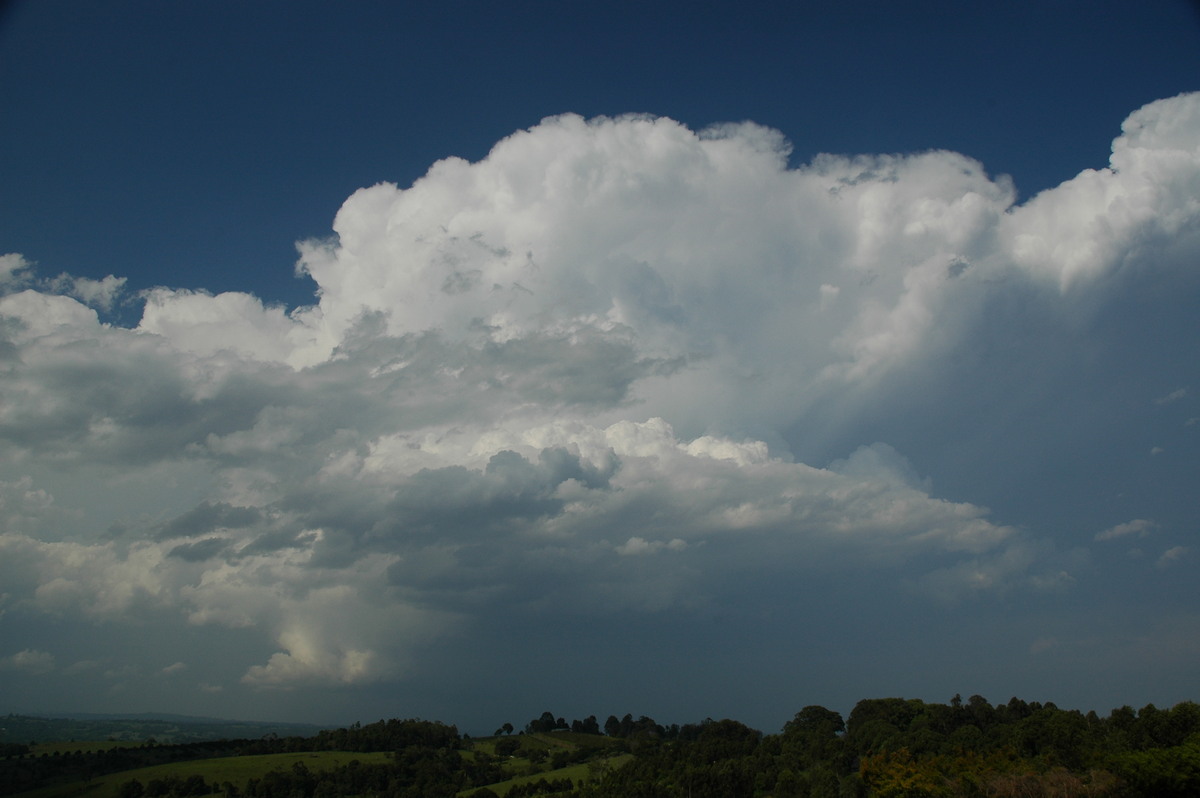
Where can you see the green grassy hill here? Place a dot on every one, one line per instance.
(581, 773)
(521, 759)
(235, 770)
(552, 756)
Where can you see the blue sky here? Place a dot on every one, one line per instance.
(679, 359)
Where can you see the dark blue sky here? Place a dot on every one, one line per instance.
(646, 413)
(190, 144)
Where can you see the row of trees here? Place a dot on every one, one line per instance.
(895, 747)
(547, 723)
(891, 748)
(387, 735)
(618, 728)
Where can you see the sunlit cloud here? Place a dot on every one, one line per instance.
(555, 383)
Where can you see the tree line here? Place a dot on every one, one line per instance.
(885, 748)
(898, 748)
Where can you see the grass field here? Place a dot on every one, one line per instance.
(236, 770)
(551, 742)
(239, 770)
(582, 772)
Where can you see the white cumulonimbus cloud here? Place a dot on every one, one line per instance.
(556, 380)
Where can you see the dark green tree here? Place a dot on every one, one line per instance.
(131, 789)
(541, 725)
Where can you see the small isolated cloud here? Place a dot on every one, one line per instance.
(1021, 566)
(1172, 556)
(211, 689)
(29, 661)
(83, 666)
(1173, 396)
(173, 668)
(1139, 526)
(636, 545)
(1157, 450)
(122, 672)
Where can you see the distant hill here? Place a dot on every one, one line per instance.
(162, 728)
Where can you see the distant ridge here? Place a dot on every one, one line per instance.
(165, 717)
(139, 727)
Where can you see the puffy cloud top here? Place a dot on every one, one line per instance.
(554, 381)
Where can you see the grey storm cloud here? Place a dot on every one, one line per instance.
(208, 517)
(585, 377)
(200, 550)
